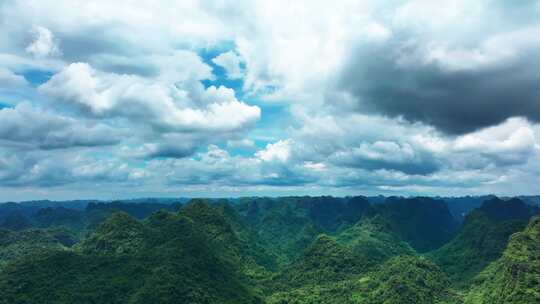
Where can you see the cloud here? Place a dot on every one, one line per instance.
(387, 155)
(278, 151)
(10, 80)
(29, 128)
(356, 97)
(231, 62)
(241, 143)
(163, 105)
(513, 142)
(458, 85)
(43, 44)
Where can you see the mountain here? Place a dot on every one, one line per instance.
(332, 213)
(120, 234)
(425, 223)
(325, 260)
(231, 235)
(373, 241)
(329, 269)
(167, 258)
(515, 277)
(15, 209)
(405, 279)
(15, 221)
(530, 199)
(83, 217)
(285, 229)
(138, 210)
(513, 208)
(60, 216)
(461, 206)
(482, 239)
(271, 250)
(17, 244)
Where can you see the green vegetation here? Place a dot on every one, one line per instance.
(373, 241)
(325, 260)
(481, 241)
(165, 259)
(425, 223)
(277, 251)
(17, 244)
(515, 277)
(406, 279)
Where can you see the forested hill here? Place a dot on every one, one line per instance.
(271, 250)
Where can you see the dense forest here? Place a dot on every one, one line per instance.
(368, 250)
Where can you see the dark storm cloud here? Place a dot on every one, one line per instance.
(455, 101)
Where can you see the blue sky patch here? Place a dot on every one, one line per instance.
(37, 77)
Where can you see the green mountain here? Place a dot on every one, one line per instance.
(512, 209)
(515, 277)
(120, 234)
(405, 279)
(482, 239)
(329, 269)
(15, 221)
(284, 229)
(271, 250)
(17, 244)
(231, 235)
(325, 260)
(165, 259)
(423, 222)
(373, 241)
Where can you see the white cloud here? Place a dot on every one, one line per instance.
(278, 151)
(230, 61)
(43, 44)
(314, 166)
(29, 128)
(495, 50)
(9, 80)
(161, 104)
(241, 143)
(107, 80)
(513, 142)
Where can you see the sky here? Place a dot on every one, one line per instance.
(123, 99)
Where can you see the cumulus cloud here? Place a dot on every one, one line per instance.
(163, 105)
(278, 151)
(44, 43)
(231, 62)
(513, 142)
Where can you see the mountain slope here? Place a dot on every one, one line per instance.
(405, 279)
(515, 277)
(17, 244)
(325, 260)
(482, 239)
(423, 222)
(284, 229)
(165, 259)
(373, 241)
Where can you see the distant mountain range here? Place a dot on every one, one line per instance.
(325, 249)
